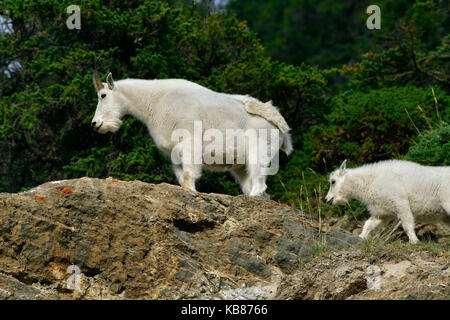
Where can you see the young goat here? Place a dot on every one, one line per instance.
(394, 188)
(176, 105)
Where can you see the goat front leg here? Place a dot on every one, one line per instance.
(407, 219)
(178, 170)
(369, 226)
(191, 173)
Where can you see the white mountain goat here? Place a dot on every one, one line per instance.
(180, 106)
(394, 188)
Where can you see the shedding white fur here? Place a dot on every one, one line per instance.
(405, 189)
(168, 105)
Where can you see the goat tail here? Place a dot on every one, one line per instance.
(270, 113)
(286, 144)
(266, 111)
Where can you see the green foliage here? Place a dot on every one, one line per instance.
(48, 103)
(331, 33)
(404, 64)
(299, 31)
(373, 126)
(432, 147)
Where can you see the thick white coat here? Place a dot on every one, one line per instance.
(166, 105)
(405, 189)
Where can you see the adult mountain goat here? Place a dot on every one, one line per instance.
(394, 188)
(207, 123)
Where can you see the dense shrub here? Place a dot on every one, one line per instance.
(432, 147)
(372, 126)
(403, 64)
(330, 33)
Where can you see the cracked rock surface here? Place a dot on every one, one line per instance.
(134, 240)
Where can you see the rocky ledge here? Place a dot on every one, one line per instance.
(134, 240)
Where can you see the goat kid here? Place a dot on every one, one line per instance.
(394, 188)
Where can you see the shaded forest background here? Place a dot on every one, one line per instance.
(347, 92)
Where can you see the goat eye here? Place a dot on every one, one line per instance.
(333, 182)
(103, 95)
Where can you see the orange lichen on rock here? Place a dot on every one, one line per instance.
(65, 191)
(40, 198)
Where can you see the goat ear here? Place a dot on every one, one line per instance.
(343, 167)
(110, 81)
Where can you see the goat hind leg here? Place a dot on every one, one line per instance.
(243, 178)
(446, 206)
(258, 181)
(407, 219)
